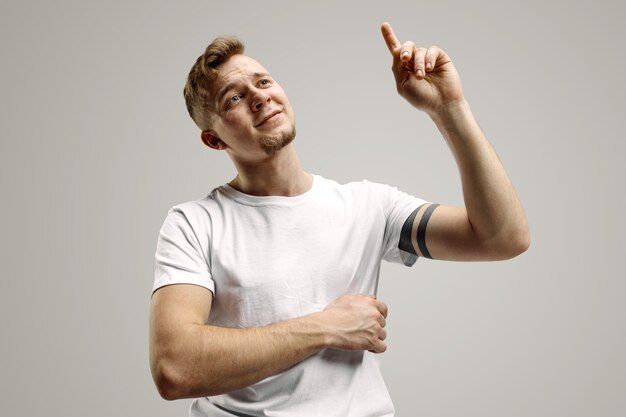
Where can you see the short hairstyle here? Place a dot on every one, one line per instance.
(198, 88)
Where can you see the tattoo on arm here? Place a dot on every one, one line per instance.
(406, 243)
(421, 230)
(406, 238)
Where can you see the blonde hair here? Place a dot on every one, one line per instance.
(201, 78)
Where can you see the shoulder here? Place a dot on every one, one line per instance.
(359, 187)
(363, 195)
(393, 202)
(197, 213)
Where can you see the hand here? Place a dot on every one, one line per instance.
(357, 322)
(425, 77)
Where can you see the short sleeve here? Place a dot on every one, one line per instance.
(181, 256)
(398, 207)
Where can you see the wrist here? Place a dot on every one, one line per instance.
(317, 331)
(451, 112)
(456, 123)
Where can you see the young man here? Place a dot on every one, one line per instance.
(264, 289)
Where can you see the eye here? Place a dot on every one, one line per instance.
(235, 99)
(265, 82)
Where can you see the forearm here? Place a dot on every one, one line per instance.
(493, 209)
(492, 225)
(190, 358)
(205, 360)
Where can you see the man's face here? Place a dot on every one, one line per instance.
(254, 118)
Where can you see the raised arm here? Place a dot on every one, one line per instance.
(190, 358)
(492, 225)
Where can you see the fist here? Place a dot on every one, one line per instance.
(357, 322)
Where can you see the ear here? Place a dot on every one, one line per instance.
(211, 140)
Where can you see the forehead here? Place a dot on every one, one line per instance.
(238, 67)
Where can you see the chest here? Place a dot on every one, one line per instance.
(276, 263)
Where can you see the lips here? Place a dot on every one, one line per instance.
(268, 117)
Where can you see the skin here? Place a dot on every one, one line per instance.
(492, 225)
(246, 95)
(191, 358)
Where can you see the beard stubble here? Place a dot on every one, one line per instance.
(273, 144)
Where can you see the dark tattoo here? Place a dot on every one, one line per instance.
(421, 230)
(405, 243)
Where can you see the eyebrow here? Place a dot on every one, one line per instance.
(231, 85)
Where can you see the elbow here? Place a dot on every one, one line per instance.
(506, 244)
(515, 243)
(175, 381)
(518, 246)
(167, 392)
(169, 379)
(166, 380)
(523, 241)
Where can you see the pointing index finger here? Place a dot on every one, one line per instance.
(390, 38)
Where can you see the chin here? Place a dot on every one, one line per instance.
(274, 143)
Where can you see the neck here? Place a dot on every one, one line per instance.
(278, 175)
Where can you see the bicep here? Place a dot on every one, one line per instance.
(182, 302)
(445, 233)
(173, 309)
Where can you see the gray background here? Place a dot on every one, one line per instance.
(96, 146)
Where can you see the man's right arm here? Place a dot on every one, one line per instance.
(190, 358)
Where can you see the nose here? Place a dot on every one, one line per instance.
(259, 99)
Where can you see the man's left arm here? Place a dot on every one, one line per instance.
(492, 225)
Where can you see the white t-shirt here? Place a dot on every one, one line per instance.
(273, 258)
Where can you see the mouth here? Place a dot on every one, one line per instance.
(268, 117)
